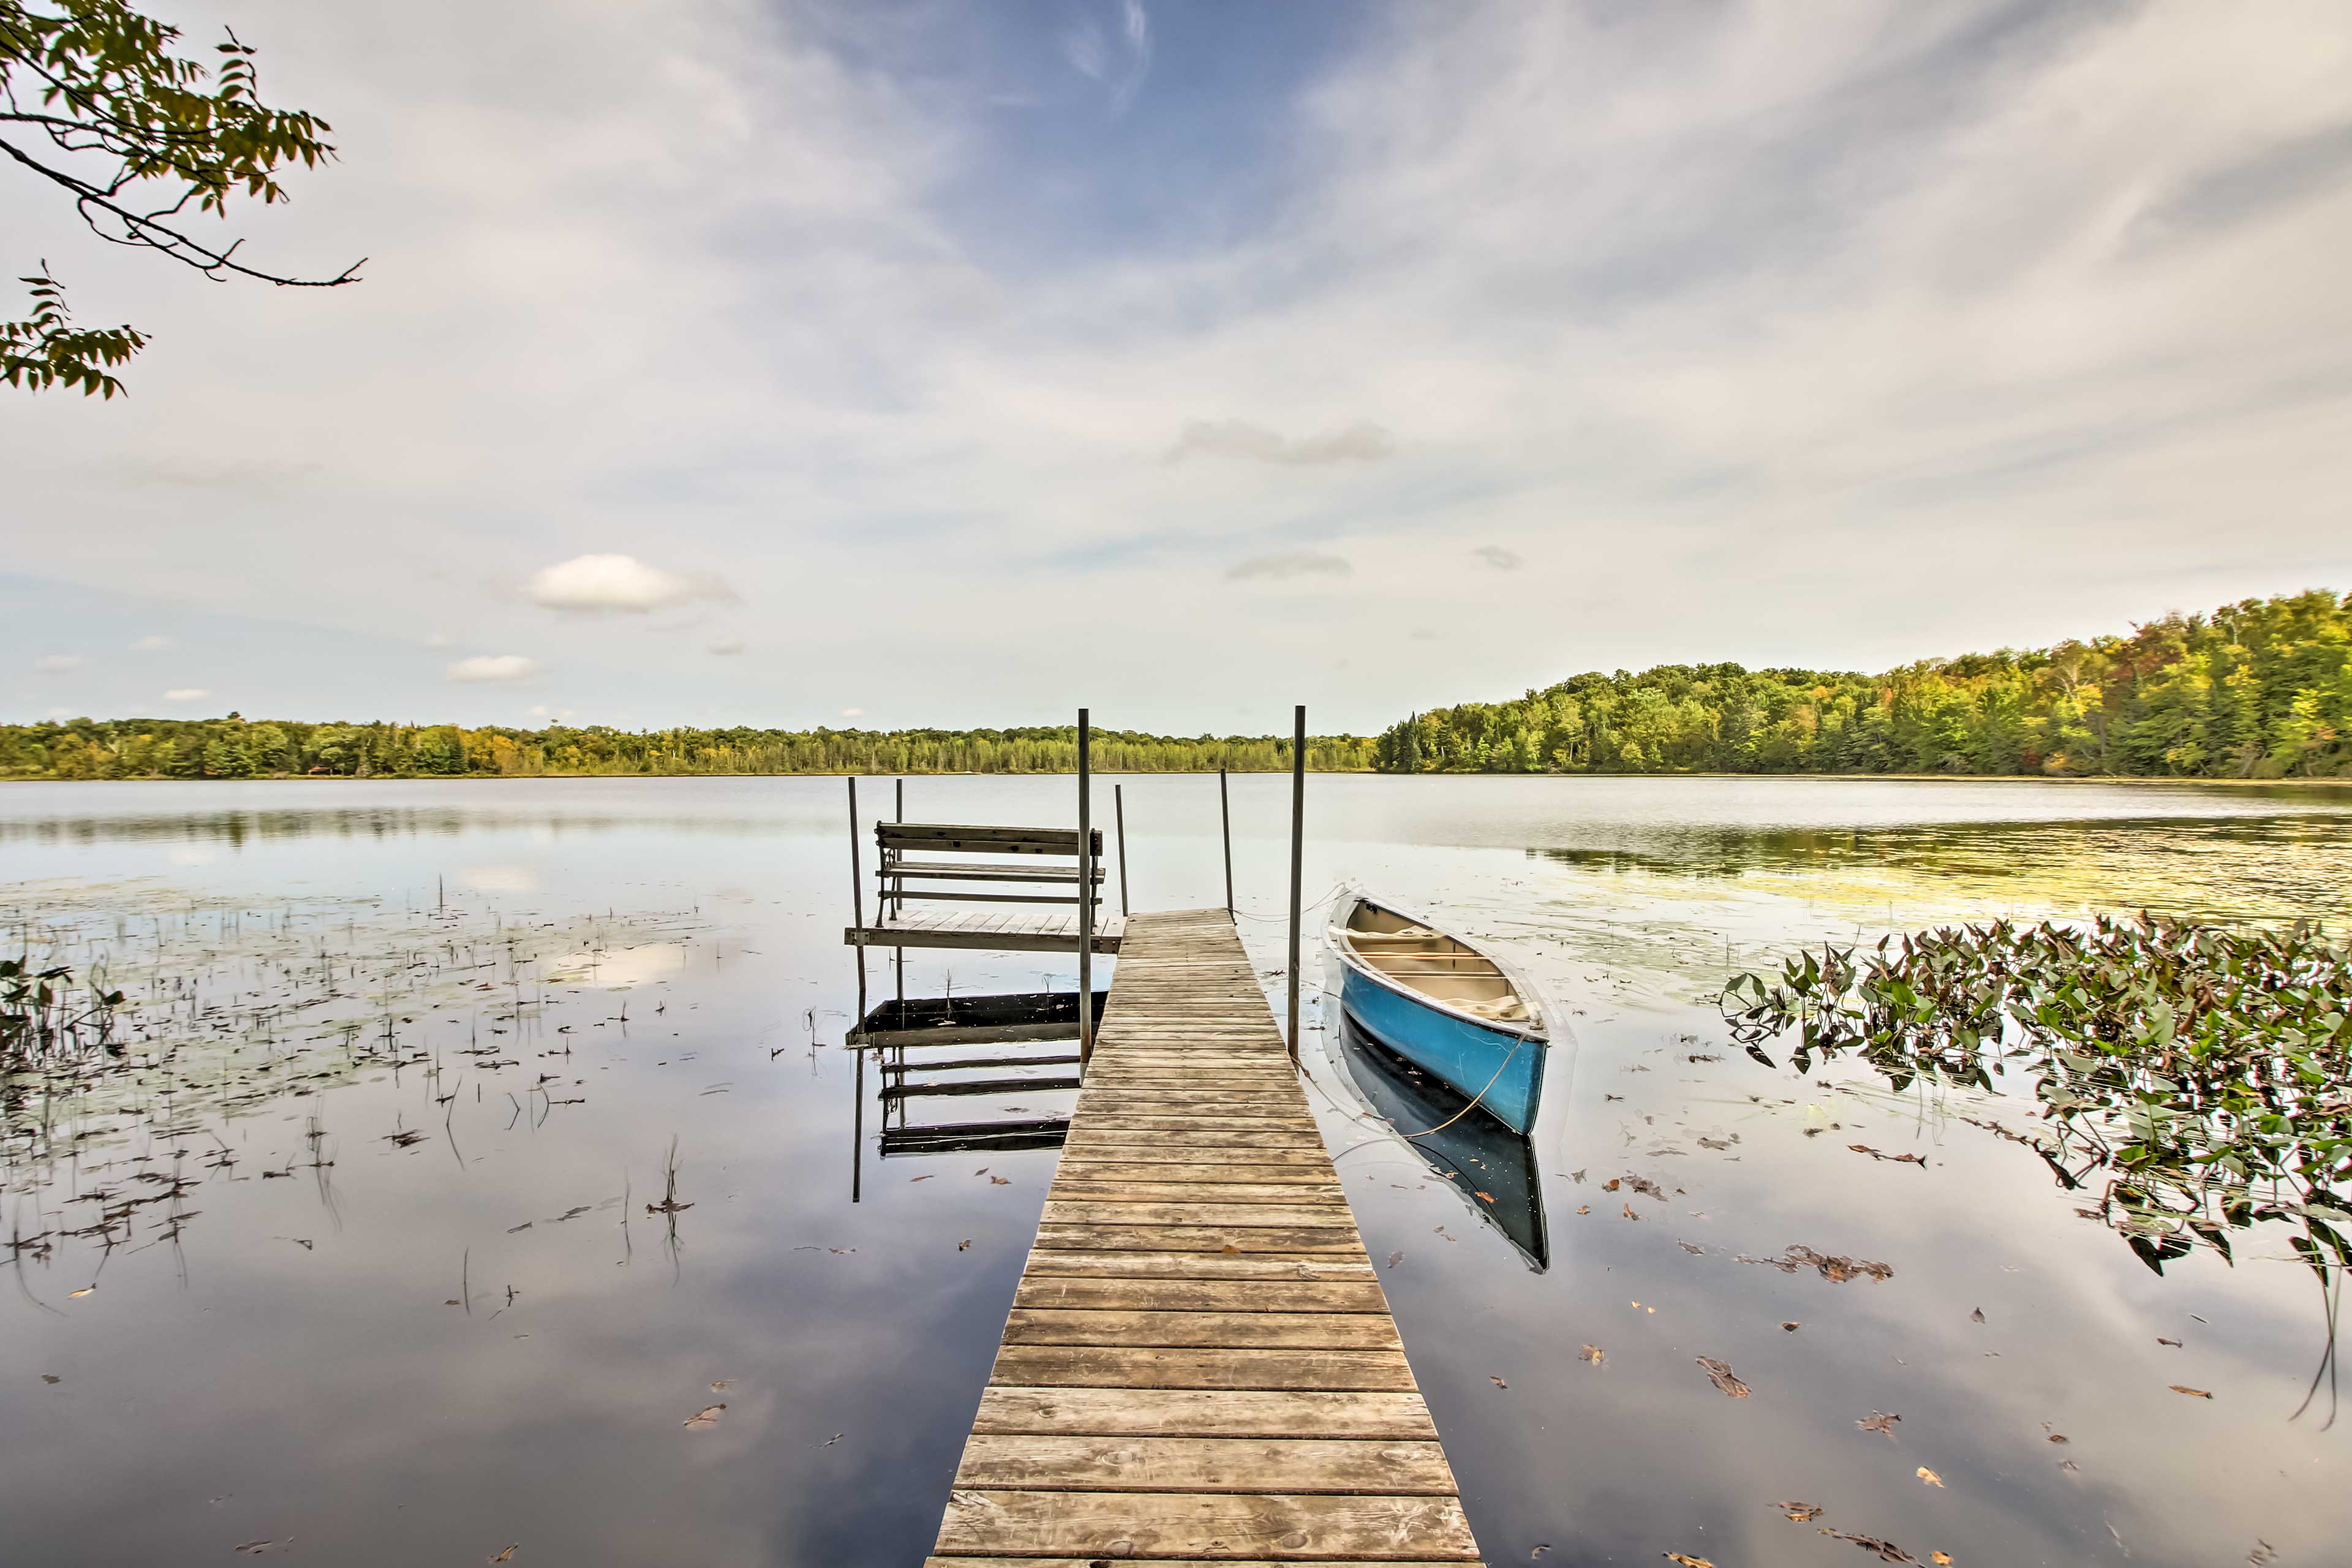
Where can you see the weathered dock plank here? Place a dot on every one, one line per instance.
(1199, 1366)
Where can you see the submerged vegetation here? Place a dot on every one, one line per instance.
(140, 1030)
(2197, 1078)
(233, 748)
(2262, 688)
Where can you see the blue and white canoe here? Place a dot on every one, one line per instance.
(1443, 1004)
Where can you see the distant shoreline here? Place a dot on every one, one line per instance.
(2297, 782)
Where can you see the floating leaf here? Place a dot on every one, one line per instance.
(1689, 1562)
(1802, 1513)
(1881, 1425)
(2192, 1393)
(1498, 1382)
(706, 1416)
(1720, 1373)
(1592, 1354)
(1929, 1476)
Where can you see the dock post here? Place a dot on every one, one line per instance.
(857, 1132)
(857, 896)
(898, 906)
(1085, 903)
(1225, 810)
(1297, 849)
(1118, 810)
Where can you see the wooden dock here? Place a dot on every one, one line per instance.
(1200, 1365)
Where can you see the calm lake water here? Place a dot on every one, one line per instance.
(250, 1308)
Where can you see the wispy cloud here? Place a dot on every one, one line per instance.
(58, 663)
(150, 644)
(493, 667)
(1501, 559)
(1118, 60)
(1361, 442)
(187, 694)
(1283, 567)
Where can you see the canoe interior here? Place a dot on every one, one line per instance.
(1440, 967)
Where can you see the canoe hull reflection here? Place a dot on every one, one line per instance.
(1495, 1167)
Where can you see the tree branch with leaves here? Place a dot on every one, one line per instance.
(143, 141)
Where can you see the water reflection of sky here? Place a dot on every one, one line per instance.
(243, 1386)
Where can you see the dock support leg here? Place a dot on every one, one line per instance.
(1226, 814)
(1298, 854)
(1118, 810)
(1085, 902)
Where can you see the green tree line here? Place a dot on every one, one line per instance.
(2262, 688)
(235, 748)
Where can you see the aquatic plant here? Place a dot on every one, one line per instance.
(45, 1016)
(2204, 1072)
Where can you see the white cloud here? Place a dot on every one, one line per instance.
(623, 583)
(554, 715)
(150, 644)
(438, 639)
(58, 663)
(1501, 559)
(1297, 563)
(727, 648)
(853, 712)
(187, 694)
(1361, 442)
(493, 667)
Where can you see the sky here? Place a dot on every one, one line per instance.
(893, 364)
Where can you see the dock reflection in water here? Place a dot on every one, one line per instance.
(1494, 1167)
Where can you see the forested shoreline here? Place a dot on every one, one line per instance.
(235, 748)
(2257, 689)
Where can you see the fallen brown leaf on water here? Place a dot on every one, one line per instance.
(1689, 1562)
(1888, 1550)
(1918, 1160)
(507, 1555)
(1977, 1316)
(2162, 1341)
(722, 1386)
(912, 1179)
(1836, 1269)
(1881, 1425)
(1721, 1374)
(1929, 1476)
(1942, 1558)
(1629, 1213)
(1488, 1196)
(1000, 1181)
(2192, 1393)
(1687, 1246)
(1802, 1513)
(1541, 1547)
(1498, 1382)
(78, 1295)
(706, 1416)
(964, 1246)
(1791, 1327)
(51, 1377)
(1592, 1354)
(255, 1548)
(1584, 1208)
(1613, 1183)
